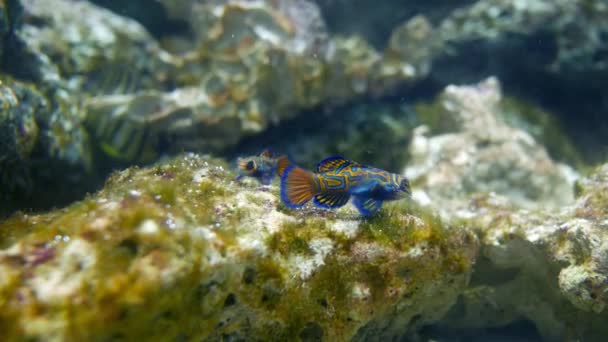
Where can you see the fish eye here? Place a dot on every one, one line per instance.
(405, 184)
(250, 165)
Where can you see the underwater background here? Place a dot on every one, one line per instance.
(142, 195)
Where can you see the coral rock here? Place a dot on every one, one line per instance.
(550, 268)
(180, 250)
(483, 153)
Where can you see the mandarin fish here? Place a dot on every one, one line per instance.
(336, 180)
(264, 167)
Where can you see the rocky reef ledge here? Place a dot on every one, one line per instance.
(180, 251)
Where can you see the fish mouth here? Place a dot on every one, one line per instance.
(398, 194)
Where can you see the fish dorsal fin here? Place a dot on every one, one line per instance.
(332, 163)
(331, 200)
(282, 163)
(267, 153)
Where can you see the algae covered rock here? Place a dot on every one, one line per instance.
(33, 129)
(257, 64)
(546, 267)
(180, 250)
(575, 27)
(57, 54)
(139, 127)
(542, 253)
(89, 49)
(552, 52)
(18, 119)
(479, 152)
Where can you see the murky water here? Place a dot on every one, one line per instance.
(466, 99)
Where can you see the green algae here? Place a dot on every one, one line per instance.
(592, 191)
(391, 227)
(432, 114)
(595, 205)
(294, 236)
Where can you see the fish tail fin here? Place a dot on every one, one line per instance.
(282, 163)
(297, 186)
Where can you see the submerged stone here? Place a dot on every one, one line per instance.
(252, 65)
(477, 151)
(34, 129)
(180, 250)
(543, 243)
(246, 67)
(545, 267)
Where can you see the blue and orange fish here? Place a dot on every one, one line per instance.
(264, 167)
(336, 180)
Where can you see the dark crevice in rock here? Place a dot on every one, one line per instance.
(249, 275)
(154, 18)
(521, 330)
(47, 184)
(485, 273)
(130, 246)
(15, 59)
(573, 96)
(370, 130)
(312, 332)
(376, 19)
(230, 300)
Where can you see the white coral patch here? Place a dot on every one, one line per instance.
(252, 242)
(262, 221)
(148, 227)
(361, 291)
(205, 233)
(199, 175)
(417, 251)
(348, 228)
(539, 233)
(305, 266)
(267, 35)
(70, 274)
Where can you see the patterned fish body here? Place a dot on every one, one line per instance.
(336, 180)
(263, 167)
